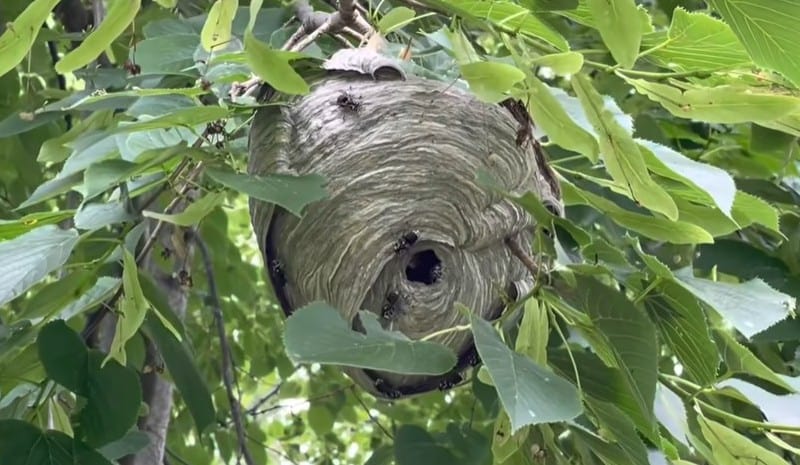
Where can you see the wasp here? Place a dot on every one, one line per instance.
(406, 240)
(278, 273)
(450, 382)
(384, 388)
(346, 100)
(389, 309)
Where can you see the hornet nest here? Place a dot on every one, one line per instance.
(406, 232)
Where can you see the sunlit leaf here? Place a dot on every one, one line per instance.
(751, 307)
(618, 23)
(507, 15)
(778, 409)
(119, 16)
(715, 182)
(490, 81)
(29, 258)
(193, 213)
(132, 309)
(768, 32)
(561, 63)
(217, 28)
(623, 160)
(556, 122)
(721, 104)
(696, 41)
(731, 447)
(273, 66)
(676, 232)
(19, 34)
(395, 18)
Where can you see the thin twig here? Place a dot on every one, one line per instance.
(327, 26)
(228, 375)
(264, 399)
(109, 304)
(347, 19)
(268, 447)
(526, 259)
(369, 414)
(305, 401)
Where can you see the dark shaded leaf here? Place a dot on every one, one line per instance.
(334, 343)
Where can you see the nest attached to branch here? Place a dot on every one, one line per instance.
(406, 231)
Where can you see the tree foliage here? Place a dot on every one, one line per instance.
(666, 332)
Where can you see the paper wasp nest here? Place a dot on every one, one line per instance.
(406, 232)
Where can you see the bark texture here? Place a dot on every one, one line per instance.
(406, 231)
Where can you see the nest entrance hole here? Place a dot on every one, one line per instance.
(424, 267)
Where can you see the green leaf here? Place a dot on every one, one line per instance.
(113, 398)
(132, 309)
(715, 182)
(749, 209)
(556, 122)
(64, 356)
(507, 15)
(273, 66)
(671, 413)
(112, 391)
(696, 41)
(195, 212)
(217, 28)
(738, 359)
(751, 307)
(320, 419)
(334, 343)
(619, 427)
(167, 54)
(414, 445)
(20, 34)
(490, 81)
(777, 409)
(730, 447)
(623, 160)
(531, 394)
(768, 30)
(683, 326)
(14, 228)
(395, 18)
(52, 188)
(29, 258)
(180, 361)
(561, 63)
(674, 232)
(619, 26)
(120, 15)
(131, 443)
(722, 104)
(98, 215)
(184, 372)
(21, 443)
(293, 193)
(187, 117)
(48, 300)
(627, 335)
(534, 331)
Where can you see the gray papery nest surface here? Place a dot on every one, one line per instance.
(406, 232)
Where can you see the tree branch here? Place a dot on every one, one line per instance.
(228, 374)
(345, 20)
